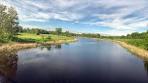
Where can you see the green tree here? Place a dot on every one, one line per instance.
(9, 23)
(19, 29)
(58, 31)
(67, 33)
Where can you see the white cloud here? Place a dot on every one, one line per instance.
(117, 32)
(120, 28)
(37, 4)
(64, 3)
(122, 16)
(33, 19)
(139, 24)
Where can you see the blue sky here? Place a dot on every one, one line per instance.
(112, 17)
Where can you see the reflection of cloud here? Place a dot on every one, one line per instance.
(146, 65)
(31, 54)
(36, 54)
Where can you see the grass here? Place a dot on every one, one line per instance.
(134, 49)
(27, 37)
(142, 43)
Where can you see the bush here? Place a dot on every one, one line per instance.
(38, 34)
(49, 37)
(25, 40)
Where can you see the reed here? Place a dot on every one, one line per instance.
(11, 48)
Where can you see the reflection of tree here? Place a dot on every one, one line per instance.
(146, 65)
(66, 43)
(42, 47)
(8, 67)
(48, 47)
(58, 46)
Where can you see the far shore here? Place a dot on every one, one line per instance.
(14, 47)
(135, 50)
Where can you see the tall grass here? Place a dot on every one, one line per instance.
(142, 43)
(136, 50)
(11, 49)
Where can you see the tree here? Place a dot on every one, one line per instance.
(98, 35)
(19, 29)
(67, 33)
(135, 35)
(9, 23)
(58, 31)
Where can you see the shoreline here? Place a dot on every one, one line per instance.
(135, 50)
(14, 47)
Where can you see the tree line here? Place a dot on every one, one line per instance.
(89, 35)
(136, 35)
(38, 31)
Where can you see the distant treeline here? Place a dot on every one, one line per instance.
(89, 35)
(135, 35)
(58, 31)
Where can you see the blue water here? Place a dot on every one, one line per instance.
(84, 61)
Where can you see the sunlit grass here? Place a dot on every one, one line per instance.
(28, 35)
(142, 43)
(136, 50)
(42, 37)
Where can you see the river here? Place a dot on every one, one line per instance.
(84, 61)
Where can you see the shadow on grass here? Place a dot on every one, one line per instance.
(26, 40)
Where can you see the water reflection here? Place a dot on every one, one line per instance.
(59, 46)
(146, 66)
(48, 47)
(8, 67)
(82, 62)
(66, 43)
(86, 61)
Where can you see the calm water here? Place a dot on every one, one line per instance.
(85, 61)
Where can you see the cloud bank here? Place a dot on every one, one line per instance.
(120, 16)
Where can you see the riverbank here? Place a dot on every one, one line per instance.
(136, 50)
(10, 48)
